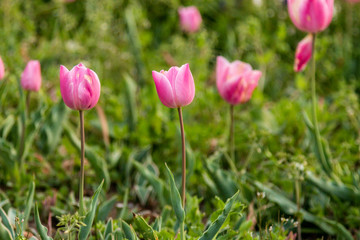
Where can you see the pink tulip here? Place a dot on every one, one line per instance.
(175, 87)
(303, 53)
(311, 15)
(235, 81)
(190, 19)
(80, 87)
(31, 76)
(2, 69)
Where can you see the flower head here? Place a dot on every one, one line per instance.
(80, 87)
(235, 81)
(175, 87)
(311, 15)
(31, 76)
(303, 53)
(190, 19)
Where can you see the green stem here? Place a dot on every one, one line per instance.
(183, 185)
(81, 187)
(314, 108)
(298, 194)
(23, 130)
(231, 138)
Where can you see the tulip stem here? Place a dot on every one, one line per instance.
(23, 129)
(183, 185)
(81, 187)
(231, 139)
(298, 192)
(319, 145)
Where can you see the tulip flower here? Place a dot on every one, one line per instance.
(31, 76)
(190, 19)
(80, 87)
(303, 53)
(80, 90)
(236, 82)
(311, 16)
(2, 69)
(176, 89)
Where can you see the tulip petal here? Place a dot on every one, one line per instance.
(184, 86)
(222, 68)
(164, 89)
(66, 87)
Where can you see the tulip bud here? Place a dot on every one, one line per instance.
(311, 15)
(31, 76)
(80, 87)
(303, 53)
(175, 87)
(2, 69)
(190, 19)
(235, 81)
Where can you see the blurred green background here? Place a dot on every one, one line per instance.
(123, 41)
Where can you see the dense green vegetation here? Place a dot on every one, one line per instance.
(123, 41)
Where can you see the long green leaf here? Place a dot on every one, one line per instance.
(145, 230)
(128, 230)
(28, 206)
(328, 226)
(109, 228)
(105, 208)
(340, 190)
(89, 219)
(4, 232)
(215, 226)
(175, 197)
(40, 228)
(130, 87)
(5, 220)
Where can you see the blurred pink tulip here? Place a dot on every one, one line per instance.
(190, 19)
(31, 76)
(235, 81)
(80, 87)
(175, 87)
(303, 53)
(311, 15)
(2, 69)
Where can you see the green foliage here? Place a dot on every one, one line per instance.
(123, 41)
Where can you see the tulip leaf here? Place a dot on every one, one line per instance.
(130, 87)
(215, 226)
(128, 230)
(28, 206)
(105, 208)
(6, 222)
(175, 197)
(145, 230)
(40, 228)
(108, 228)
(89, 219)
(4, 232)
(328, 226)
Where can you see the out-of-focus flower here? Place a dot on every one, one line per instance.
(176, 87)
(31, 76)
(303, 53)
(235, 81)
(80, 87)
(311, 15)
(2, 69)
(190, 19)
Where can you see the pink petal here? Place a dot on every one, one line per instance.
(184, 86)
(164, 89)
(222, 68)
